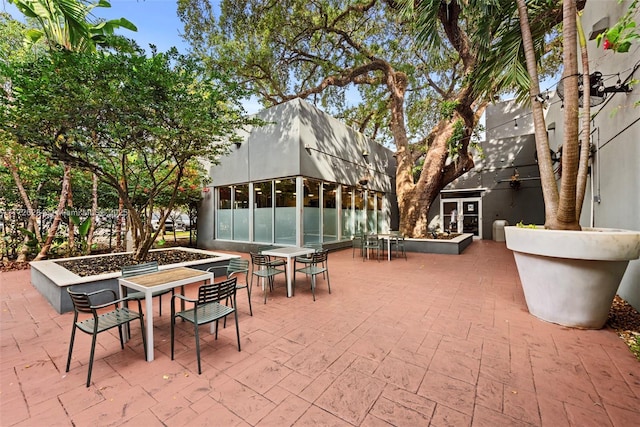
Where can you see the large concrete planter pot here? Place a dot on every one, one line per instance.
(571, 277)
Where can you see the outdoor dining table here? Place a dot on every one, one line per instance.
(289, 252)
(388, 237)
(160, 281)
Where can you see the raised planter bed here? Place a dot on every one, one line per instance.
(52, 279)
(453, 246)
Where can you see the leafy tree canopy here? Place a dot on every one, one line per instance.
(126, 118)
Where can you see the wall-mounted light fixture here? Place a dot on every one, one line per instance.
(552, 126)
(238, 144)
(599, 27)
(365, 156)
(515, 123)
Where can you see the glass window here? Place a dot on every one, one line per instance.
(359, 212)
(329, 212)
(347, 212)
(285, 220)
(241, 213)
(223, 226)
(371, 212)
(263, 212)
(382, 218)
(311, 211)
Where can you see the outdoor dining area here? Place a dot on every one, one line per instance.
(379, 244)
(433, 340)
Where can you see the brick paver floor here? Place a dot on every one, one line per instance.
(437, 340)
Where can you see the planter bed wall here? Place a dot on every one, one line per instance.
(453, 246)
(52, 280)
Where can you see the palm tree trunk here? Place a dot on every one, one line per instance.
(566, 217)
(545, 165)
(583, 168)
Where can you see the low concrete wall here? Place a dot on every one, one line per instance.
(52, 280)
(453, 246)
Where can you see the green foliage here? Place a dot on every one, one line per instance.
(66, 24)
(139, 123)
(32, 241)
(523, 225)
(447, 108)
(83, 232)
(619, 37)
(454, 143)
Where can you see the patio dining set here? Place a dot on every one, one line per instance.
(391, 243)
(102, 310)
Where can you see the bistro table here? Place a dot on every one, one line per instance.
(388, 237)
(289, 253)
(160, 281)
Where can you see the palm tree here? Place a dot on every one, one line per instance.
(66, 23)
(561, 207)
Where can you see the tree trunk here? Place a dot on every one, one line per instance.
(119, 246)
(72, 233)
(566, 217)
(583, 168)
(33, 220)
(94, 211)
(545, 165)
(56, 220)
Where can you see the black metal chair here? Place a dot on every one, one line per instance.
(357, 242)
(371, 244)
(262, 267)
(397, 244)
(207, 308)
(238, 266)
(274, 262)
(101, 321)
(317, 266)
(306, 259)
(139, 269)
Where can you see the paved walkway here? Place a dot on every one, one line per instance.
(437, 340)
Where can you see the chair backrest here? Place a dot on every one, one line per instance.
(259, 259)
(138, 269)
(81, 302)
(215, 292)
(320, 257)
(237, 265)
(372, 239)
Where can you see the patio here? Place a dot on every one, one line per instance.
(436, 340)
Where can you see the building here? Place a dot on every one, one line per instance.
(303, 177)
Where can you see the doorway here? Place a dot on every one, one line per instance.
(462, 215)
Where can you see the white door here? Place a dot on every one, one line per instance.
(462, 216)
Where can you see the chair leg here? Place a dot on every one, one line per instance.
(195, 325)
(328, 282)
(160, 305)
(73, 336)
(237, 329)
(173, 325)
(120, 334)
(93, 350)
(249, 298)
(313, 286)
